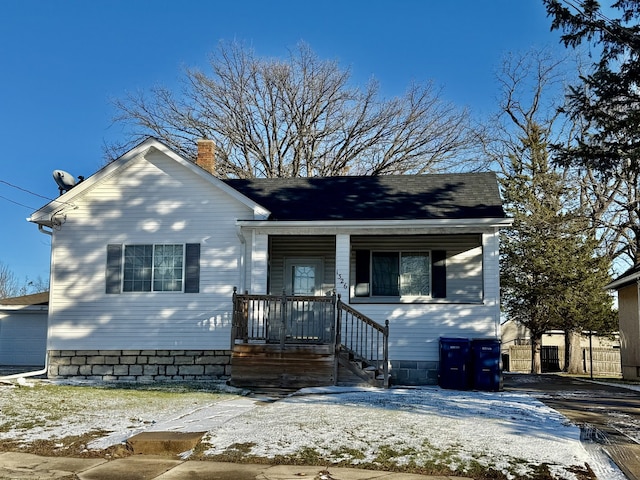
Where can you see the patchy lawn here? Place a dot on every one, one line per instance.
(49, 419)
(484, 435)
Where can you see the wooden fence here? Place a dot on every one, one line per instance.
(606, 361)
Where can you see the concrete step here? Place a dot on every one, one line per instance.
(164, 443)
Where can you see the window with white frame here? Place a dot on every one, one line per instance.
(155, 268)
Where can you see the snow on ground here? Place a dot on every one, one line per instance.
(417, 425)
(506, 430)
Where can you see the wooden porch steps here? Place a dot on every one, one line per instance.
(306, 332)
(295, 366)
(351, 373)
(265, 367)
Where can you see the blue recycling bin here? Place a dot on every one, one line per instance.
(455, 360)
(486, 364)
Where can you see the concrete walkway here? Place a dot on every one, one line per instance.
(211, 416)
(18, 466)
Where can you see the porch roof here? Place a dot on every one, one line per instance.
(387, 197)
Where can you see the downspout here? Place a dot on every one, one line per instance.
(42, 230)
(46, 355)
(29, 374)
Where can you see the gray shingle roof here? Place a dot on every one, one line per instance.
(387, 197)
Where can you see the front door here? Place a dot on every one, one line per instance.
(303, 278)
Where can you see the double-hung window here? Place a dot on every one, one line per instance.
(153, 268)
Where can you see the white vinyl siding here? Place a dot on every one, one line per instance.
(154, 200)
(464, 275)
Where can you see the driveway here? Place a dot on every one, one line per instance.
(606, 414)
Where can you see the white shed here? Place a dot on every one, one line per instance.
(23, 330)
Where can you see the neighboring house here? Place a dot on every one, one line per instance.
(147, 252)
(553, 345)
(513, 333)
(23, 330)
(627, 286)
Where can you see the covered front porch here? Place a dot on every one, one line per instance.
(300, 284)
(290, 341)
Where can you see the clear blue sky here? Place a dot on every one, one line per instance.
(61, 61)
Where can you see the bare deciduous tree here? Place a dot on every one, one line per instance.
(10, 286)
(298, 117)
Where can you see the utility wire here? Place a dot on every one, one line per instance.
(25, 190)
(31, 193)
(17, 203)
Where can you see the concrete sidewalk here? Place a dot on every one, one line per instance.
(17, 466)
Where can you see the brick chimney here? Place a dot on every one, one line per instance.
(206, 155)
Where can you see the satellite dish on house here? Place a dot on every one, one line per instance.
(65, 180)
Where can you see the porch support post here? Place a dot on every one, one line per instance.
(343, 252)
(385, 348)
(259, 258)
(336, 336)
(491, 276)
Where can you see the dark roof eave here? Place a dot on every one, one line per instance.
(629, 277)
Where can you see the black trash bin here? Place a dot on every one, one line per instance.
(486, 364)
(455, 361)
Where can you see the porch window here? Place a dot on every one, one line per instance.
(304, 280)
(400, 274)
(153, 268)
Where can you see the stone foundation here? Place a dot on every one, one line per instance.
(139, 365)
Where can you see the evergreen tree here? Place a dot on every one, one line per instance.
(550, 272)
(609, 97)
(607, 102)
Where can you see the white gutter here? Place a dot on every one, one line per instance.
(622, 281)
(42, 229)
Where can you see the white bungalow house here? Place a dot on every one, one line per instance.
(146, 255)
